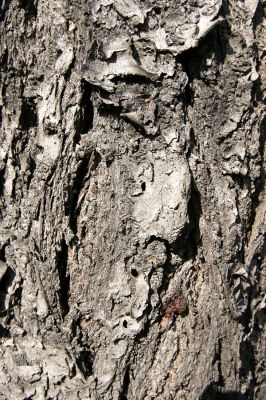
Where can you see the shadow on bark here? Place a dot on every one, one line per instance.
(213, 393)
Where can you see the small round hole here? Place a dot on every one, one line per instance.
(157, 10)
(134, 273)
(143, 186)
(125, 323)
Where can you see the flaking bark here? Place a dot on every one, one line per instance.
(132, 230)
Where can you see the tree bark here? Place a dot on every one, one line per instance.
(132, 226)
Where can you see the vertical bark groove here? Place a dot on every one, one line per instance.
(132, 197)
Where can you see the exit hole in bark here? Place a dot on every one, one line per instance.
(125, 323)
(85, 362)
(134, 272)
(143, 186)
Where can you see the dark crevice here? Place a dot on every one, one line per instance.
(32, 168)
(84, 118)
(4, 4)
(30, 9)
(68, 75)
(195, 212)
(3, 253)
(135, 54)
(14, 189)
(107, 110)
(252, 330)
(2, 180)
(157, 10)
(259, 15)
(29, 116)
(85, 362)
(64, 277)
(86, 166)
(257, 92)
(126, 381)
(188, 94)
(4, 332)
(193, 143)
(132, 79)
(3, 60)
(193, 60)
(18, 146)
(5, 283)
(109, 162)
(93, 53)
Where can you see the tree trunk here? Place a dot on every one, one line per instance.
(132, 199)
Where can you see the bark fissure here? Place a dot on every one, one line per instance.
(132, 261)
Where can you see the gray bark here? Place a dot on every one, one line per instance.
(132, 226)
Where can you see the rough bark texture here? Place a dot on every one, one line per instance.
(132, 199)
